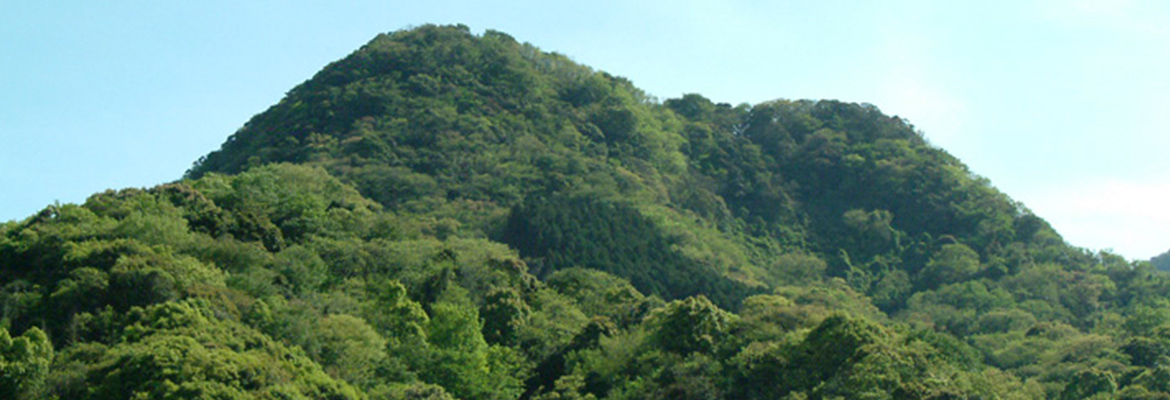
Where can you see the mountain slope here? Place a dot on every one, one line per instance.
(441, 214)
(482, 129)
(1161, 261)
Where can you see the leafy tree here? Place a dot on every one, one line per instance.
(414, 391)
(950, 264)
(178, 350)
(351, 350)
(1087, 384)
(24, 363)
(690, 325)
(503, 313)
(597, 293)
(797, 269)
(836, 343)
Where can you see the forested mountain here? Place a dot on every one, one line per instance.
(1161, 261)
(449, 215)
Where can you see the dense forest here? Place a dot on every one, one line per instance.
(445, 215)
(1161, 261)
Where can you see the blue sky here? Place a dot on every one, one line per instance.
(1063, 105)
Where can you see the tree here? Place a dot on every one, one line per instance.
(350, 349)
(690, 325)
(503, 313)
(180, 350)
(1087, 383)
(461, 361)
(24, 363)
(950, 264)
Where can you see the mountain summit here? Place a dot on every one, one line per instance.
(448, 215)
(503, 139)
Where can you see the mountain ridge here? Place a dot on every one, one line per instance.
(376, 109)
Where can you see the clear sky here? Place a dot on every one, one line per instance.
(1063, 105)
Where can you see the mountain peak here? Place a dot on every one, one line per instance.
(442, 214)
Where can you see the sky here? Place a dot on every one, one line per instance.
(1063, 105)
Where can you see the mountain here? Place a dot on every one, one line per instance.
(448, 215)
(1161, 261)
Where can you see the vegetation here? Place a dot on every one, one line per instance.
(1161, 261)
(443, 215)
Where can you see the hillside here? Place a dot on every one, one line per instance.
(1161, 261)
(449, 215)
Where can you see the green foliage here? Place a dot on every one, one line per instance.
(950, 264)
(24, 363)
(395, 315)
(555, 321)
(383, 232)
(1089, 383)
(598, 293)
(178, 350)
(798, 269)
(1161, 261)
(461, 360)
(834, 344)
(614, 238)
(351, 350)
(414, 391)
(689, 325)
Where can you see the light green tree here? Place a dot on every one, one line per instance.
(24, 363)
